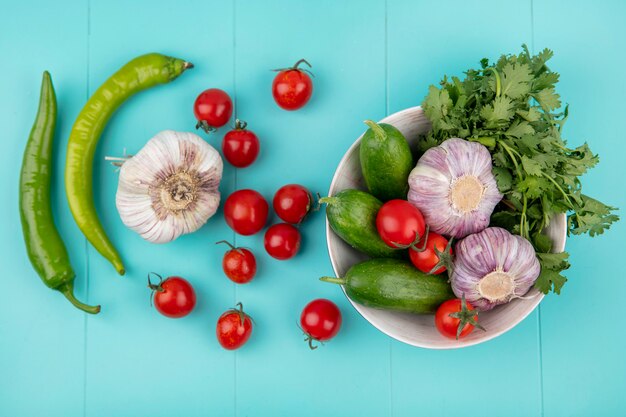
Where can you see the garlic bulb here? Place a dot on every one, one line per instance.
(454, 188)
(170, 187)
(493, 267)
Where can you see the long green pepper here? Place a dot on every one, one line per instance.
(139, 74)
(46, 250)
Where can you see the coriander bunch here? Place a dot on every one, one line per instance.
(512, 108)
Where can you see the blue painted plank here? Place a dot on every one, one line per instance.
(276, 373)
(149, 364)
(42, 351)
(140, 363)
(426, 41)
(584, 370)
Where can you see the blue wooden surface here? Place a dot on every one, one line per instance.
(370, 58)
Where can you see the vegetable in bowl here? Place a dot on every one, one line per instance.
(512, 108)
(506, 112)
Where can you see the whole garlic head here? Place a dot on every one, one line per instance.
(453, 186)
(170, 187)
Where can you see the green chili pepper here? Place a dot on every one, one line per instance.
(45, 248)
(139, 74)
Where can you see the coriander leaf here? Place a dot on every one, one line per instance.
(546, 160)
(554, 260)
(542, 243)
(592, 217)
(504, 180)
(533, 186)
(508, 220)
(530, 115)
(500, 110)
(550, 278)
(531, 166)
(519, 128)
(545, 80)
(580, 160)
(437, 104)
(538, 62)
(548, 99)
(515, 80)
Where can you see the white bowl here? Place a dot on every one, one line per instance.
(419, 330)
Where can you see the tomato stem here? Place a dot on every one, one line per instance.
(295, 67)
(309, 339)
(466, 316)
(154, 287)
(445, 259)
(240, 124)
(232, 247)
(204, 125)
(301, 61)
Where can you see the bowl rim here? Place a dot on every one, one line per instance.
(535, 301)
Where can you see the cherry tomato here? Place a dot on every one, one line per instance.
(282, 241)
(456, 318)
(234, 328)
(400, 224)
(213, 109)
(239, 264)
(427, 259)
(292, 87)
(173, 297)
(240, 146)
(292, 203)
(320, 320)
(246, 211)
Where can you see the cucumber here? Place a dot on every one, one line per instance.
(393, 284)
(386, 161)
(352, 216)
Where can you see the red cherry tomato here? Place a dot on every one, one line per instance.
(400, 224)
(240, 146)
(246, 211)
(234, 328)
(320, 320)
(456, 318)
(213, 109)
(239, 264)
(173, 297)
(282, 241)
(292, 87)
(292, 203)
(428, 259)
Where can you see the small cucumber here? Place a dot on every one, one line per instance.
(352, 216)
(386, 161)
(393, 284)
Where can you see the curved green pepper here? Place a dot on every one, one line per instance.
(139, 74)
(46, 250)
